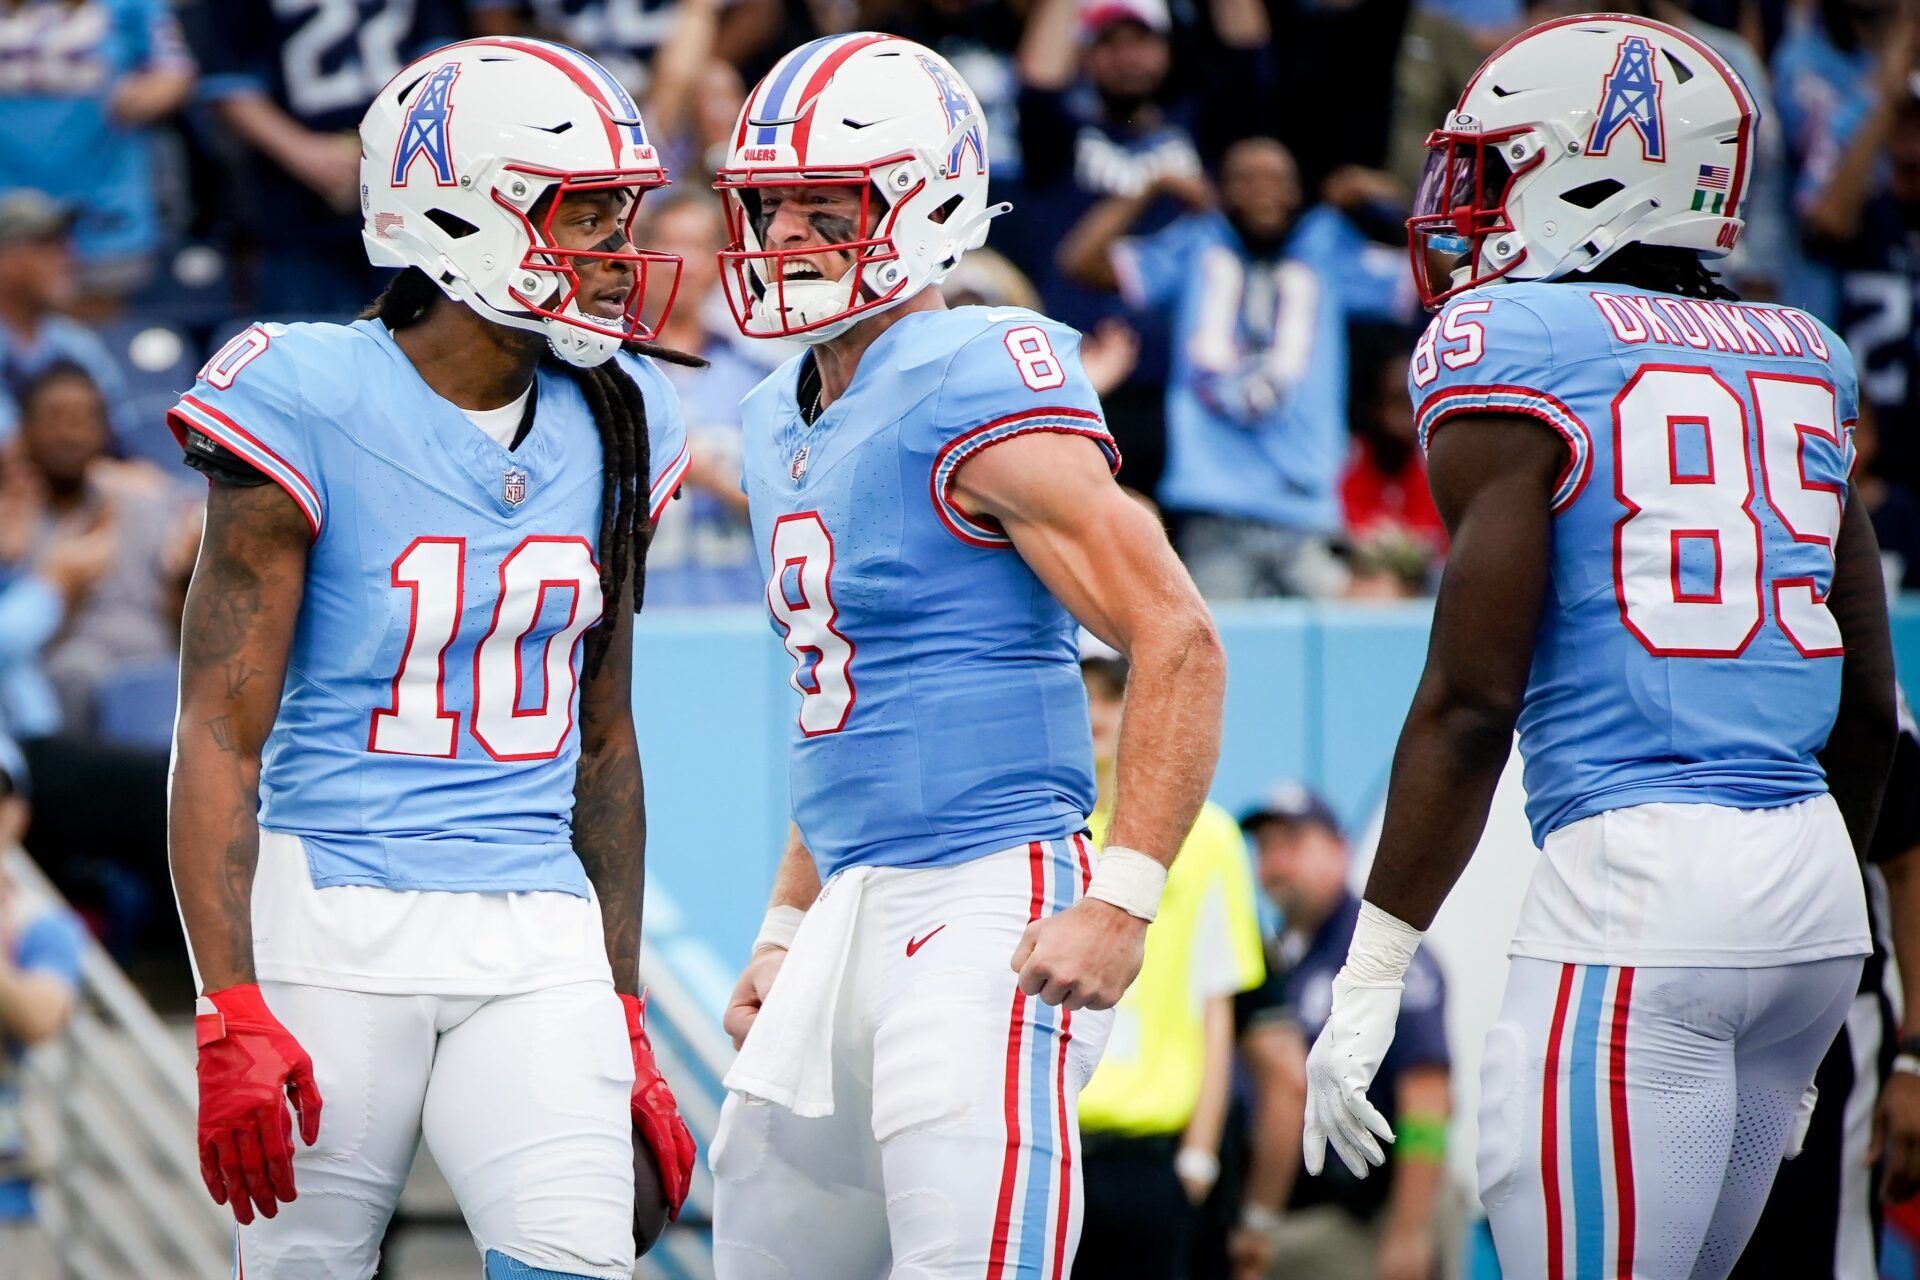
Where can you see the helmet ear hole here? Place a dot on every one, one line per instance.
(945, 211)
(455, 227)
(1593, 194)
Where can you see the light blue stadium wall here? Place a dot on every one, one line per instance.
(1315, 692)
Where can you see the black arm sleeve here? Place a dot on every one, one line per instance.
(219, 463)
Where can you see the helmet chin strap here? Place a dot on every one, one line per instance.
(580, 347)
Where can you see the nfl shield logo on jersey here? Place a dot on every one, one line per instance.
(514, 486)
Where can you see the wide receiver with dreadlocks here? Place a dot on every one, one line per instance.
(1660, 572)
(406, 815)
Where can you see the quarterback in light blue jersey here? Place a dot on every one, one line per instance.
(932, 498)
(405, 820)
(1660, 575)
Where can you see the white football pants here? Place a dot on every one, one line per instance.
(1632, 1120)
(522, 1099)
(952, 1150)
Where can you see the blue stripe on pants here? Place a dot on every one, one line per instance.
(1043, 1138)
(1583, 1127)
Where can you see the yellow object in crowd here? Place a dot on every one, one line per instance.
(1205, 942)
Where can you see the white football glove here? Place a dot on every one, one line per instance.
(1802, 1121)
(1341, 1068)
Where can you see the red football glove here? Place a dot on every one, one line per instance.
(250, 1066)
(656, 1116)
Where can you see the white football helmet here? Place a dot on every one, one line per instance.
(466, 155)
(866, 109)
(1577, 137)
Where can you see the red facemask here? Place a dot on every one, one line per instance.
(747, 276)
(548, 261)
(1461, 201)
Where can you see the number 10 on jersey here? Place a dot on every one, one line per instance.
(417, 721)
(1689, 562)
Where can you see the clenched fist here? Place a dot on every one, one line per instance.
(1084, 958)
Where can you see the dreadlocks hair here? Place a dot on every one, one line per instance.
(1663, 269)
(618, 412)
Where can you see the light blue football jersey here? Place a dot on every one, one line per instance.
(427, 733)
(1685, 651)
(941, 715)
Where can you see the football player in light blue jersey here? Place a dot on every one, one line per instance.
(931, 494)
(1660, 574)
(406, 826)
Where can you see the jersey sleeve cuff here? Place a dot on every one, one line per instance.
(973, 530)
(1526, 402)
(195, 414)
(667, 483)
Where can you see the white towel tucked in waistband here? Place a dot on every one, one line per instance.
(788, 1056)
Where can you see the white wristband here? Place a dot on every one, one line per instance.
(778, 928)
(1381, 949)
(1130, 880)
(1906, 1064)
(1197, 1165)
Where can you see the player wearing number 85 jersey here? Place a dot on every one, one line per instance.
(1660, 574)
(931, 491)
(405, 824)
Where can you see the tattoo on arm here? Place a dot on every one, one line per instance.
(240, 614)
(609, 813)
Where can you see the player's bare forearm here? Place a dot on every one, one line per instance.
(242, 604)
(1859, 749)
(1492, 479)
(1105, 558)
(1170, 730)
(796, 882)
(609, 802)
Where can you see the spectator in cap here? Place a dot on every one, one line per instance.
(38, 281)
(84, 81)
(40, 946)
(1152, 1115)
(1102, 115)
(1334, 1226)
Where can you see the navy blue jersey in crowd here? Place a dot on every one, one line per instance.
(1879, 318)
(322, 62)
(620, 35)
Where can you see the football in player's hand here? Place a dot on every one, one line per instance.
(649, 1200)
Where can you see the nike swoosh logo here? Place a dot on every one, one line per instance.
(914, 944)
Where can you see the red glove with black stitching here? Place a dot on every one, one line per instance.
(656, 1116)
(250, 1068)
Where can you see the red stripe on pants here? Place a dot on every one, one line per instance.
(1622, 1139)
(1010, 1163)
(1549, 1127)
